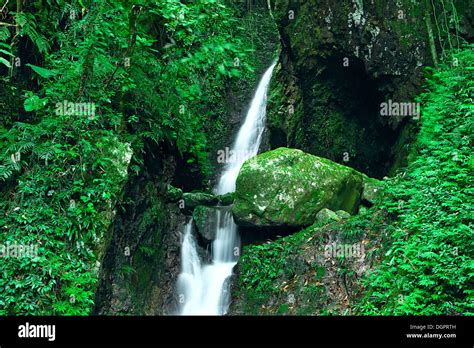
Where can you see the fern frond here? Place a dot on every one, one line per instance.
(27, 25)
(5, 173)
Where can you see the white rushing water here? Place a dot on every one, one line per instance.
(204, 288)
(249, 137)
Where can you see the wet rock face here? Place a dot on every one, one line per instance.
(372, 191)
(287, 187)
(388, 37)
(339, 62)
(206, 221)
(141, 262)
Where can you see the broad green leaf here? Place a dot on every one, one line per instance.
(7, 53)
(5, 62)
(34, 103)
(46, 73)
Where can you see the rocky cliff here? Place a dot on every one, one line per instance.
(339, 61)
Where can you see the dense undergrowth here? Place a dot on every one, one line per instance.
(427, 264)
(155, 71)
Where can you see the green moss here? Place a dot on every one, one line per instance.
(226, 199)
(148, 260)
(285, 276)
(288, 187)
(173, 194)
(193, 199)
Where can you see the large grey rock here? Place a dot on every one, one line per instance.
(287, 187)
(205, 219)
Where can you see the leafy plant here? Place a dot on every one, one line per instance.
(153, 72)
(427, 263)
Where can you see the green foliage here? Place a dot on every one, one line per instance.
(427, 263)
(28, 27)
(173, 98)
(272, 273)
(263, 266)
(154, 71)
(5, 51)
(46, 73)
(33, 102)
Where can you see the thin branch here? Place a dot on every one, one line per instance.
(5, 5)
(269, 4)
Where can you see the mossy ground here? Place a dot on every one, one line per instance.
(293, 275)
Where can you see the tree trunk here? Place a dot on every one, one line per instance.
(429, 29)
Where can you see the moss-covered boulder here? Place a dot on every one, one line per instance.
(287, 187)
(327, 215)
(343, 214)
(193, 199)
(226, 199)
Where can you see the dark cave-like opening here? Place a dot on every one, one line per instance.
(367, 138)
(341, 116)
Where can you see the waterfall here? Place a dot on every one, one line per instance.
(249, 137)
(204, 288)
